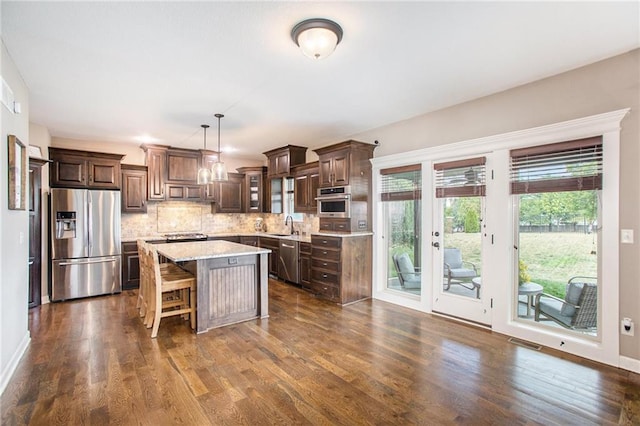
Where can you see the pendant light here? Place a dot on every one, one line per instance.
(204, 174)
(218, 170)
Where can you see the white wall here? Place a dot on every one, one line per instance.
(601, 87)
(14, 228)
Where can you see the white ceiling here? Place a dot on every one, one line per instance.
(115, 71)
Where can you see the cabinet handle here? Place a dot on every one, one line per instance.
(324, 252)
(324, 264)
(324, 275)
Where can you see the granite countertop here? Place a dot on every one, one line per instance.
(301, 238)
(197, 250)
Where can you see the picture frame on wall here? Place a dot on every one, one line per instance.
(17, 174)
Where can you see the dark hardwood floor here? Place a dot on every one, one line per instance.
(92, 362)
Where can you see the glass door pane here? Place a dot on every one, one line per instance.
(402, 221)
(557, 263)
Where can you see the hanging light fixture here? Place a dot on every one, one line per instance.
(317, 37)
(204, 174)
(218, 170)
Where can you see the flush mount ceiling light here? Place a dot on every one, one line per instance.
(218, 170)
(204, 174)
(317, 37)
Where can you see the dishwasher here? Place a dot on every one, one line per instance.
(288, 268)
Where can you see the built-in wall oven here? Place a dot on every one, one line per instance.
(334, 202)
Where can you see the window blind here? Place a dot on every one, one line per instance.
(565, 166)
(401, 183)
(462, 178)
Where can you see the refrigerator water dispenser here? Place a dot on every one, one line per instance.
(65, 225)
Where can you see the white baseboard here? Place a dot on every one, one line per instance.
(630, 364)
(7, 373)
(44, 300)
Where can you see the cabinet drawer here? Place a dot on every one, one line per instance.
(325, 254)
(325, 290)
(305, 248)
(130, 247)
(321, 241)
(327, 265)
(320, 276)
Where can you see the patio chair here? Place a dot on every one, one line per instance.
(578, 309)
(408, 275)
(458, 271)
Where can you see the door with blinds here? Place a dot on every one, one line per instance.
(458, 240)
(401, 198)
(556, 196)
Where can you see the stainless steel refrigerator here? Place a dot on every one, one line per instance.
(85, 243)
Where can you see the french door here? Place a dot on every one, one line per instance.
(459, 239)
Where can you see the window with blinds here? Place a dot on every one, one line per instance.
(401, 183)
(462, 178)
(565, 166)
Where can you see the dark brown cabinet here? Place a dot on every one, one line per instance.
(182, 166)
(253, 189)
(345, 163)
(306, 188)
(184, 192)
(130, 265)
(348, 164)
(156, 161)
(274, 245)
(281, 160)
(228, 195)
(249, 241)
(335, 225)
(35, 230)
(341, 267)
(84, 169)
(334, 168)
(305, 264)
(134, 189)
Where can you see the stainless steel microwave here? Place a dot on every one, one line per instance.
(334, 202)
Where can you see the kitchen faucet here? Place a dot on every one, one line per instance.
(286, 222)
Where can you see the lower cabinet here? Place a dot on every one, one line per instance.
(274, 245)
(249, 241)
(305, 264)
(341, 267)
(130, 266)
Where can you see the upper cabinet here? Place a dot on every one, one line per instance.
(134, 189)
(182, 166)
(345, 163)
(228, 198)
(173, 173)
(281, 160)
(156, 160)
(83, 169)
(306, 188)
(253, 189)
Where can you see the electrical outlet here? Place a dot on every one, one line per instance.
(626, 327)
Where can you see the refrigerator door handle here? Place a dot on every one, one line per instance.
(86, 262)
(89, 224)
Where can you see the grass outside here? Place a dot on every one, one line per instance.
(552, 257)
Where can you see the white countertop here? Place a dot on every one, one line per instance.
(197, 250)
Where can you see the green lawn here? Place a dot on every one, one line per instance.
(552, 258)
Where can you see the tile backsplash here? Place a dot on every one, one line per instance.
(177, 216)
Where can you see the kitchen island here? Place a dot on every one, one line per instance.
(232, 280)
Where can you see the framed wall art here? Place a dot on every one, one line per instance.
(17, 174)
